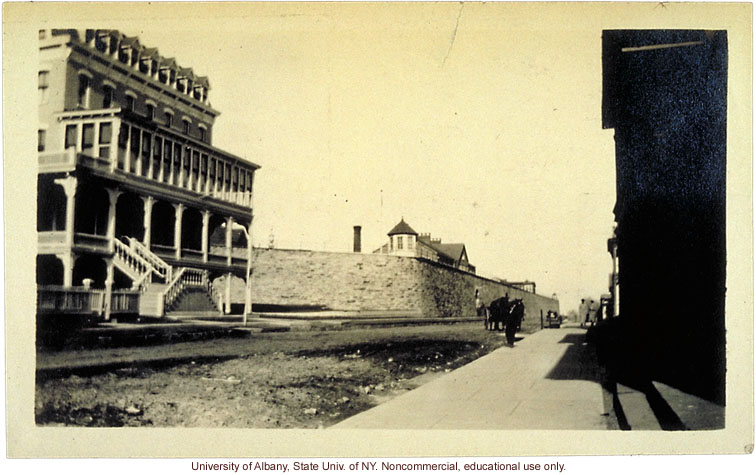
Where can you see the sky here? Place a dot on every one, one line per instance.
(477, 124)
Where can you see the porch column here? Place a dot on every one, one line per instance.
(113, 200)
(69, 188)
(148, 202)
(68, 259)
(108, 287)
(138, 158)
(205, 237)
(115, 130)
(229, 235)
(248, 282)
(227, 300)
(177, 229)
(127, 152)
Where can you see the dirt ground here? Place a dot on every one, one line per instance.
(293, 380)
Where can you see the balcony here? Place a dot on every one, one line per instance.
(125, 146)
(217, 257)
(50, 242)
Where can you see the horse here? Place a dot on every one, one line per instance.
(497, 313)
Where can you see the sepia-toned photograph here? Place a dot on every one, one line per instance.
(486, 221)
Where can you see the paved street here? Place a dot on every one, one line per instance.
(549, 380)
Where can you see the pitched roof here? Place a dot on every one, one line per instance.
(402, 228)
(453, 251)
(150, 53)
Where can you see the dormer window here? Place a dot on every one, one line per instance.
(101, 43)
(163, 76)
(124, 55)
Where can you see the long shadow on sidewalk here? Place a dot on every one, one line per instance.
(579, 362)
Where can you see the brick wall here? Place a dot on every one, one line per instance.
(364, 282)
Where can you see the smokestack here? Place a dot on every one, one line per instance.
(358, 239)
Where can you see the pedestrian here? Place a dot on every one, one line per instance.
(582, 313)
(514, 318)
(479, 307)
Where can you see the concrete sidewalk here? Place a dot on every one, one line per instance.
(549, 380)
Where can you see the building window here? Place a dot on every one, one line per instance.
(42, 34)
(410, 243)
(101, 43)
(41, 137)
(130, 102)
(169, 119)
(186, 126)
(123, 140)
(167, 159)
(87, 137)
(43, 85)
(70, 136)
(399, 243)
(146, 147)
(134, 150)
(211, 174)
(202, 133)
(106, 136)
(83, 96)
(163, 76)
(107, 97)
(151, 111)
(157, 152)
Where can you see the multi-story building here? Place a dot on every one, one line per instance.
(665, 96)
(404, 241)
(130, 186)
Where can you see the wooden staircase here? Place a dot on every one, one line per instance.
(182, 290)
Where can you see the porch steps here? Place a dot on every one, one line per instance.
(192, 301)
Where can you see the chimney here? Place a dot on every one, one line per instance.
(358, 239)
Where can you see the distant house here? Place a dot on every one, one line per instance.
(404, 241)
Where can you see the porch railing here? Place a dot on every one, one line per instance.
(124, 301)
(56, 299)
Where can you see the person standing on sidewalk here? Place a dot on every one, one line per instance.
(516, 313)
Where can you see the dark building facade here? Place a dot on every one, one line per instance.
(665, 96)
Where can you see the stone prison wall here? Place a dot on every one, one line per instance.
(375, 282)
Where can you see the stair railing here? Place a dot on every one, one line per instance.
(185, 277)
(160, 267)
(140, 267)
